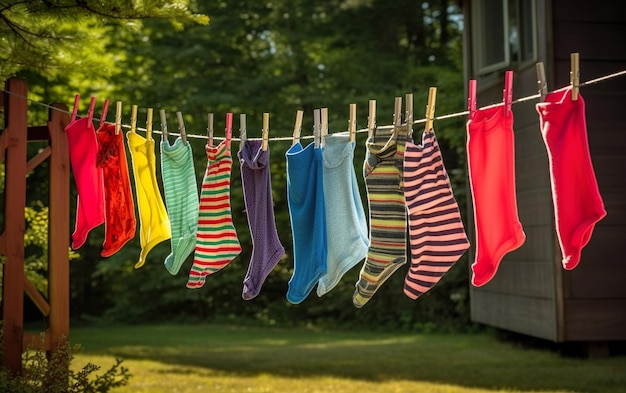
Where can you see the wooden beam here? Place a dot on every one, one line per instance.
(59, 228)
(16, 119)
(37, 298)
(38, 159)
(38, 133)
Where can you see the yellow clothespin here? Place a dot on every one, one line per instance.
(324, 124)
(164, 124)
(266, 130)
(149, 124)
(242, 128)
(181, 127)
(409, 113)
(209, 129)
(133, 119)
(574, 74)
(542, 84)
(118, 117)
(297, 128)
(430, 108)
(352, 125)
(371, 118)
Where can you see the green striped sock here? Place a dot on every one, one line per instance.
(181, 198)
(382, 170)
(217, 244)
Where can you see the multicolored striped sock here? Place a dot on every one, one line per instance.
(383, 170)
(437, 235)
(217, 244)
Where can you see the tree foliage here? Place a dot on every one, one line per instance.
(277, 57)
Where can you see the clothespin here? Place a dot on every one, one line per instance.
(409, 113)
(164, 124)
(397, 115)
(371, 118)
(209, 129)
(316, 127)
(118, 117)
(508, 92)
(324, 124)
(352, 125)
(75, 110)
(242, 128)
(542, 85)
(266, 130)
(471, 99)
(181, 127)
(430, 109)
(133, 119)
(297, 128)
(229, 129)
(149, 125)
(92, 106)
(105, 109)
(574, 74)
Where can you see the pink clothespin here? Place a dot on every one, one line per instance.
(75, 110)
(229, 128)
(105, 109)
(508, 92)
(471, 100)
(92, 106)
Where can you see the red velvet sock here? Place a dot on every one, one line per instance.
(578, 205)
(491, 164)
(120, 223)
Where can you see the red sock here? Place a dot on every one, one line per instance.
(83, 146)
(578, 205)
(120, 223)
(491, 164)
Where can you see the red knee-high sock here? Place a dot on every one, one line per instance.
(578, 205)
(491, 164)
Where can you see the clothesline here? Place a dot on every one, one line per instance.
(363, 130)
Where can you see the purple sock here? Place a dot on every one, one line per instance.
(257, 192)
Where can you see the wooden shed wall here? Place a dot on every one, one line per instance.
(532, 293)
(594, 294)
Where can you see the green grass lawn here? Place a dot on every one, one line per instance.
(210, 358)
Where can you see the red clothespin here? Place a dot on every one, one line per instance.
(229, 128)
(105, 109)
(508, 92)
(92, 106)
(471, 99)
(75, 110)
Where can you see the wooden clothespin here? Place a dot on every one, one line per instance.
(209, 129)
(75, 110)
(266, 131)
(229, 129)
(118, 117)
(149, 124)
(430, 109)
(297, 128)
(471, 98)
(371, 118)
(92, 107)
(542, 85)
(324, 125)
(397, 115)
(317, 129)
(164, 124)
(181, 127)
(133, 119)
(105, 109)
(574, 74)
(508, 92)
(242, 128)
(409, 113)
(352, 125)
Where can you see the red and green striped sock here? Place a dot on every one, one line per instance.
(217, 244)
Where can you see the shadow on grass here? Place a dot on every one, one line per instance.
(477, 361)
